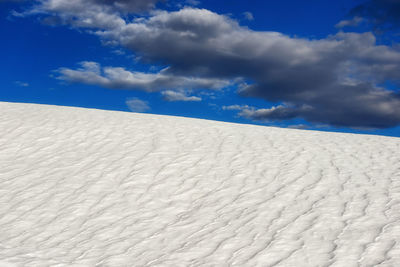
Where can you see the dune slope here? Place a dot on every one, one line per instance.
(83, 187)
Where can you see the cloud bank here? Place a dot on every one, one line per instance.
(337, 80)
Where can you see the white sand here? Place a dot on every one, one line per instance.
(82, 187)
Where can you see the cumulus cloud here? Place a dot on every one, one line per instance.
(171, 96)
(136, 105)
(107, 14)
(378, 111)
(336, 80)
(119, 78)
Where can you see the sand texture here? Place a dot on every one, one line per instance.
(85, 187)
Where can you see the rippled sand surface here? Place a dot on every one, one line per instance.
(84, 187)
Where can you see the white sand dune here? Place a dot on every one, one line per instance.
(82, 187)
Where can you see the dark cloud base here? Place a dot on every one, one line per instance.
(383, 14)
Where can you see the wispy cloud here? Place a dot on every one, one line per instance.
(136, 105)
(22, 84)
(236, 107)
(248, 15)
(192, 2)
(170, 95)
(350, 23)
(119, 78)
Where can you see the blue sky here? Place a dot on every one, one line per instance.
(331, 66)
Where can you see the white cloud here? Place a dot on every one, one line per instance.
(170, 95)
(120, 78)
(136, 105)
(350, 23)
